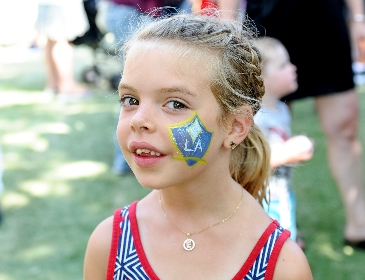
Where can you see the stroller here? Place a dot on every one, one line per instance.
(102, 50)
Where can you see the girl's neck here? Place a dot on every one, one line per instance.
(200, 202)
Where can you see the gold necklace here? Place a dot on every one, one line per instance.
(189, 243)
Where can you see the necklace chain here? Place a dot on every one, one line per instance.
(189, 244)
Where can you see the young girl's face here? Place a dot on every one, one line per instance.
(280, 75)
(168, 128)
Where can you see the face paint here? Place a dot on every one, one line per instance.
(191, 139)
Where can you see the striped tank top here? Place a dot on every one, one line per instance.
(127, 260)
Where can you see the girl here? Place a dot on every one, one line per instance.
(190, 87)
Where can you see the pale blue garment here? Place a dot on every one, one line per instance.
(276, 125)
(121, 21)
(185, 6)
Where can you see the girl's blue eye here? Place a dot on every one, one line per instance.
(129, 101)
(175, 105)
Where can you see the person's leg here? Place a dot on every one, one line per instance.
(51, 84)
(339, 114)
(62, 59)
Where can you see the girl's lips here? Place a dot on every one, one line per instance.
(147, 161)
(145, 155)
(144, 148)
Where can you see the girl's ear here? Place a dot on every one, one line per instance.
(239, 128)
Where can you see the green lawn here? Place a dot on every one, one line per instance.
(58, 183)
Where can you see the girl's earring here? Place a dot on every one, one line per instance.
(233, 145)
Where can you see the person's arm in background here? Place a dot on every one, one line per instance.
(229, 8)
(196, 5)
(294, 150)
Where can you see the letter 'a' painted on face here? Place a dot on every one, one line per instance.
(191, 139)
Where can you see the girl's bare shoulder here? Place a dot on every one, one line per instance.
(292, 263)
(97, 251)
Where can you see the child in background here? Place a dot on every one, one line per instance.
(190, 87)
(274, 119)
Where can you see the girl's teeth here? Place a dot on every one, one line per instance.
(146, 151)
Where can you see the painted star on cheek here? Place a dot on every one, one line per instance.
(191, 139)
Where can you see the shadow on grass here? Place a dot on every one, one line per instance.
(58, 184)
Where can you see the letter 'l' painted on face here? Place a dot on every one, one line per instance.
(191, 139)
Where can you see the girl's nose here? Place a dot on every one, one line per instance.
(294, 67)
(143, 120)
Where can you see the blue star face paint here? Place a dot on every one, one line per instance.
(191, 139)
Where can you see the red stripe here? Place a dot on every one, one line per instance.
(275, 254)
(114, 244)
(137, 242)
(256, 251)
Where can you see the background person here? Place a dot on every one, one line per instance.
(317, 33)
(61, 21)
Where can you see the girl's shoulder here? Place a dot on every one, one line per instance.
(100, 244)
(97, 251)
(292, 263)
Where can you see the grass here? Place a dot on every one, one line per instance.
(59, 185)
(320, 210)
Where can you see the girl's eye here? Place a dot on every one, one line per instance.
(128, 101)
(175, 105)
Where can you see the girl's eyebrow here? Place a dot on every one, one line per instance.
(124, 86)
(179, 89)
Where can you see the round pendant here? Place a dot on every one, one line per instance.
(189, 244)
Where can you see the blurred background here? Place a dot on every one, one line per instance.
(58, 179)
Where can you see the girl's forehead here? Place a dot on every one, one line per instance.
(148, 48)
(279, 53)
(173, 62)
(176, 52)
(276, 57)
(179, 49)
